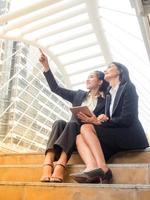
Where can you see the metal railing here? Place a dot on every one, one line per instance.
(27, 117)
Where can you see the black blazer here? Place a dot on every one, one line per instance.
(124, 121)
(74, 97)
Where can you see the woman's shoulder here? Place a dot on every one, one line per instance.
(82, 91)
(130, 89)
(129, 85)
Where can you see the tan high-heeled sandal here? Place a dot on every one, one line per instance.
(55, 179)
(47, 178)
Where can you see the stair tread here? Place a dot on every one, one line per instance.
(72, 191)
(120, 186)
(122, 173)
(125, 165)
(134, 156)
(37, 153)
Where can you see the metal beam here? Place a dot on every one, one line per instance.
(69, 38)
(63, 29)
(143, 22)
(87, 69)
(83, 59)
(84, 46)
(52, 21)
(92, 8)
(39, 14)
(28, 9)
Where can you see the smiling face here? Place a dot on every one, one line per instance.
(112, 72)
(93, 82)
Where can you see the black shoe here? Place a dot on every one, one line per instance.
(85, 178)
(95, 172)
(107, 178)
(93, 176)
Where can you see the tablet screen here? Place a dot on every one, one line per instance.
(84, 109)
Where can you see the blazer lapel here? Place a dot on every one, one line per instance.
(107, 104)
(99, 106)
(81, 98)
(118, 96)
(107, 101)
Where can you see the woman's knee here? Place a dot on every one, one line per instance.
(79, 139)
(59, 122)
(72, 124)
(86, 128)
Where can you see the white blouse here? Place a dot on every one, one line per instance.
(90, 102)
(113, 92)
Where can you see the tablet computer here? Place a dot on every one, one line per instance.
(84, 109)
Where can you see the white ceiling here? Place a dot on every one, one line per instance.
(84, 35)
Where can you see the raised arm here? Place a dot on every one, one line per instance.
(64, 93)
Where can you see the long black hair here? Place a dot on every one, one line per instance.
(105, 84)
(124, 73)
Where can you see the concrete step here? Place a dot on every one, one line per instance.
(138, 156)
(135, 156)
(122, 173)
(72, 191)
(31, 158)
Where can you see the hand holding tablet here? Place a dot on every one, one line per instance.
(83, 109)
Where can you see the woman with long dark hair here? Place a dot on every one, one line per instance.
(62, 138)
(119, 128)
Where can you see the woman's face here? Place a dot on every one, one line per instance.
(92, 81)
(111, 72)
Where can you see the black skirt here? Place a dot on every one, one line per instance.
(114, 140)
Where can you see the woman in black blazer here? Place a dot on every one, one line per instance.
(119, 128)
(62, 139)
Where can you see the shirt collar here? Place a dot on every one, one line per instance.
(114, 90)
(89, 95)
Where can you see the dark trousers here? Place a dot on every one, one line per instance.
(63, 137)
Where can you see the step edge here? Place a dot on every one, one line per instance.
(132, 165)
(40, 153)
(124, 165)
(114, 186)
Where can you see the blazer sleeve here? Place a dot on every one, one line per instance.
(64, 93)
(128, 109)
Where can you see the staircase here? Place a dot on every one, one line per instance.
(20, 174)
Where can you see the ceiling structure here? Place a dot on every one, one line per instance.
(74, 33)
(84, 35)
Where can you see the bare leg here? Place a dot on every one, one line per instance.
(59, 169)
(49, 157)
(47, 166)
(92, 141)
(85, 153)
